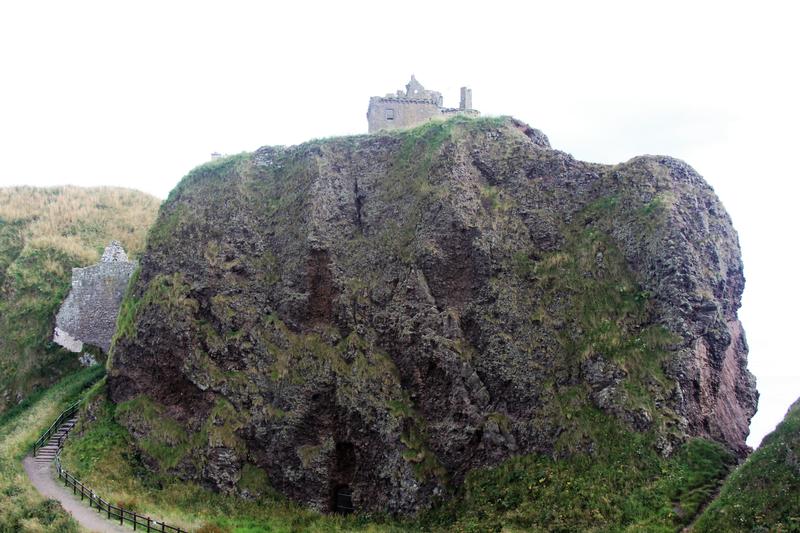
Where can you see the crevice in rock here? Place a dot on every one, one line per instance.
(359, 200)
(320, 286)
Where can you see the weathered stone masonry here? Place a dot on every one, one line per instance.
(89, 314)
(415, 106)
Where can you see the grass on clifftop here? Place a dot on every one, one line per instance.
(763, 494)
(44, 233)
(21, 507)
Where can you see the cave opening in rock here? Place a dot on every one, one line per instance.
(345, 459)
(343, 473)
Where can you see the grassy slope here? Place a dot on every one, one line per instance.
(763, 494)
(21, 507)
(624, 486)
(44, 233)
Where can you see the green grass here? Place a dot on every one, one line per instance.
(100, 453)
(763, 494)
(623, 485)
(21, 507)
(44, 234)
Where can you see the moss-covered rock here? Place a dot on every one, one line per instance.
(387, 313)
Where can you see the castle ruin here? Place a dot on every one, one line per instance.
(413, 107)
(89, 313)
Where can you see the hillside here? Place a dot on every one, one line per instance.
(452, 312)
(44, 233)
(21, 507)
(763, 494)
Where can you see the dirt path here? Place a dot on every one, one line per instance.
(41, 474)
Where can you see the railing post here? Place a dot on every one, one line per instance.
(94, 499)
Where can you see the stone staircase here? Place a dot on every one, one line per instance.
(48, 452)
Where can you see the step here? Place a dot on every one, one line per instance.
(49, 451)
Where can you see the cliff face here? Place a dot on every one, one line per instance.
(378, 315)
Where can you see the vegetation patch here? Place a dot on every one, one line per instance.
(588, 286)
(44, 234)
(101, 453)
(623, 485)
(163, 439)
(21, 507)
(763, 494)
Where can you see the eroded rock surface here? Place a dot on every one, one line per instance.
(89, 314)
(381, 314)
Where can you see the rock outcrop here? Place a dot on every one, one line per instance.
(375, 316)
(89, 313)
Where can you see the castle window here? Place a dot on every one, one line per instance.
(390, 114)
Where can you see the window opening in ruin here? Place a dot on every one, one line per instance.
(390, 114)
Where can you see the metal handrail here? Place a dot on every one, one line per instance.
(65, 415)
(112, 512)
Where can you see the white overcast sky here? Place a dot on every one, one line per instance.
(137, 93)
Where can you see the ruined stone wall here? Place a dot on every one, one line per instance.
(404, 113)
(413, 107)
(89, 314)
(407, 113)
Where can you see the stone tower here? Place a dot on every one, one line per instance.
(466, 99)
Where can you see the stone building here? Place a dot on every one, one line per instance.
(89, 314)
(413, 107)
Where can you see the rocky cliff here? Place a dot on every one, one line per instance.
(372, 317)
